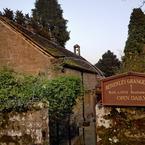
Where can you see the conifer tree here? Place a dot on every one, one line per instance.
(134, 58)
(109, 63)
(48, 15)
(19, 17)
(136, 34)
(8, 13)
(27, 19)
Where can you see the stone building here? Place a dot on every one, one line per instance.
(26, 52)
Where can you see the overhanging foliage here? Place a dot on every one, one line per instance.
(18, 92)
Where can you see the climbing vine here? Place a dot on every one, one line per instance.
(18, 92)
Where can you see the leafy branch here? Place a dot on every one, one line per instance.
(18, 92)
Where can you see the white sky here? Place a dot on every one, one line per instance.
(96, 25)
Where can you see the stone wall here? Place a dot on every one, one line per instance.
(120, 126)
(87, 123)
(89, 79)
(25, 128)
(23, 56)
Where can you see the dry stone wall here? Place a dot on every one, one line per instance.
(24, 128)
(120, 126)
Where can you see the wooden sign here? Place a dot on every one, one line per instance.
(124, 90)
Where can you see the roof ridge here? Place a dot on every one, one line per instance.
(13, 25)
(51, 48)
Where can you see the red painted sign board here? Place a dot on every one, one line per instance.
(124, 90)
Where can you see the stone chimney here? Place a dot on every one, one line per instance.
(77, 49)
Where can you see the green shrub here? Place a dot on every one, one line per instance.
(18, 92)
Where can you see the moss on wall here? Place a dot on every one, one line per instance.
(24, 128)
(127, 126)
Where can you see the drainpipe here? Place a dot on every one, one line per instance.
(83, 104)
(69, 131)
(77, 52)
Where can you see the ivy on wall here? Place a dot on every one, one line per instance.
(18, 91)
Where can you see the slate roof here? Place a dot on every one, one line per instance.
(70, 59)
